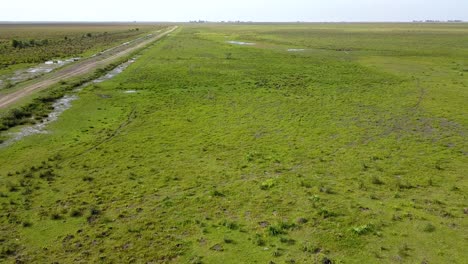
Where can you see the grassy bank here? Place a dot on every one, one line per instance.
(41, 106)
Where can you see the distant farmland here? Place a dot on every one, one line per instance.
(271, 143)
(36, 43)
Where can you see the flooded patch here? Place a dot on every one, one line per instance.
(30, 73)
(296, 50)
(104, 96)
(60, 106)
(115, 71)
(239, 43)
(130, 91)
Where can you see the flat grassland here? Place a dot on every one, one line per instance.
(314, 143)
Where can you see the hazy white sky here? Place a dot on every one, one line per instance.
(246, 10)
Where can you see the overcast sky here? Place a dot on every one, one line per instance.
(245, 10)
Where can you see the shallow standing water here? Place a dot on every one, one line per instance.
(29, 73)
(119, 69)
(296, 50)
(240, 43)
(60, 106)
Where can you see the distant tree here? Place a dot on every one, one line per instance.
(137, 29)
(8, 84)
(15, 43)
(89, 35)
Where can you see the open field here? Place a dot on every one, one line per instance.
(308, 143)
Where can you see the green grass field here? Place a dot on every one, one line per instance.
(353, 150)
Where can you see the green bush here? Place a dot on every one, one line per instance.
(268, 184)
(362, 230)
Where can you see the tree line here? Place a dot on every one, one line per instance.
(20, 44)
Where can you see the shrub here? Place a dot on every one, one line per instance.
(268, 184)
(88, 178)
(15, 43)
(377, 181)
(218, 194)
(231, 225)
(76, 213)
(259, 241)
(228, 240)
(27, 223)
(288, 241)
(94, 211)
(403, 251)
(326, 214)
(12, 187)
(278, 252)
(48, 175)
(307, 185)
(429, 228)
(275, 231)
(8, 249)
(327, 190)
(309, 248)
(8, 84)
(55, 216)
(362, 230)
(287, 226)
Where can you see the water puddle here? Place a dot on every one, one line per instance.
(240, 43)
(30, 73)
(130, 91)
(119, 69)
(296, 50)
(60, 106)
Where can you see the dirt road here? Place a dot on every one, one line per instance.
(80, 68)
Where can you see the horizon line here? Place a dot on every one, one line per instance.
(227, 21)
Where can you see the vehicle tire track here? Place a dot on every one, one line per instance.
(130, 117)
